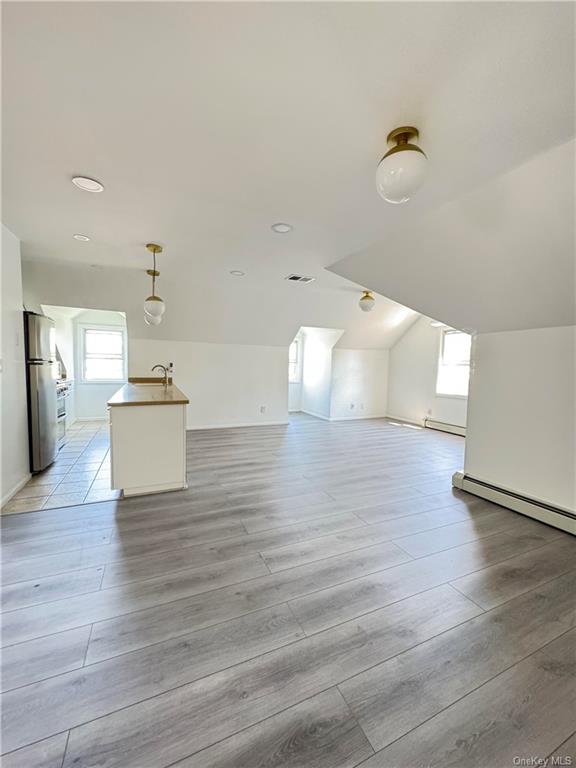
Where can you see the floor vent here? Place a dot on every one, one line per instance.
(299, 279)
(441, 426)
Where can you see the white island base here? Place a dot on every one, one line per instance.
(147, 447)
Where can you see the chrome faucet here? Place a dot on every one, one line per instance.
(165, 369)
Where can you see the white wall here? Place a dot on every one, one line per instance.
(521, 414)
(412, 375)
(14, 447)
(64, 328)
(295, 387)
(65, 343)
(227, 384)
(359, 383)
(317, 370)
(342, 383)
(295, 395)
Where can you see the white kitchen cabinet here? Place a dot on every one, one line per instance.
(147, 441)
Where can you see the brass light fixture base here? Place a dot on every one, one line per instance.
(401, 135)
(402, 138)
(154, 247)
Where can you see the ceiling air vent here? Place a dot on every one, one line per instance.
(299, 279)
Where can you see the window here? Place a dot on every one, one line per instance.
(102, 353)
(294, 362)
(454, 364)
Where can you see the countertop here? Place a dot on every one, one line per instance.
(148, 394)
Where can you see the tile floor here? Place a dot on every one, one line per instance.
(80, 474)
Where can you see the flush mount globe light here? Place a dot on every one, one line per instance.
(367, 302)
(154, 307)
(87, 184)
(401, 171)
(82, 238)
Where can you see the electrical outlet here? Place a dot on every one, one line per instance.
(351, 406)
(262, 409)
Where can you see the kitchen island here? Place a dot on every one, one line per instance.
(147, 437)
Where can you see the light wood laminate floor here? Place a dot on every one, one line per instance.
(318, 598)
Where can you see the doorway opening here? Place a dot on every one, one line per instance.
(91, 364)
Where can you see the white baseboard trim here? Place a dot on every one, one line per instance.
(442, 426)
(539, 510)
(316, 415)
(402, 420)
(90, 418)
(238, 424)
(13, 491)
(145, 490)
(355, 418)
(341, 418)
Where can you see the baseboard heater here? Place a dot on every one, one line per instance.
(442, 426)
(539, 510)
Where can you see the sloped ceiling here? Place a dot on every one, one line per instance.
(500, 258)
(208, 122)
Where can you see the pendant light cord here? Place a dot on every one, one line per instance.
(154, 276)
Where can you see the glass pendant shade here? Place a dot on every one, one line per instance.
(152, 319)
(154, 306)
(400, 175)
(367, 302)
(401, 171)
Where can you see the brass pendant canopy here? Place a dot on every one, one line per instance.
(402, 138)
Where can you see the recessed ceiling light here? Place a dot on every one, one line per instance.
(87, 184)
(237, 273)
(82, 238)
(282, 228)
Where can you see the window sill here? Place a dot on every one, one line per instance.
(118, 382)
(451, 397)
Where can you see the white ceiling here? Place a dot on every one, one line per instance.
(207, 122)
(501, 258)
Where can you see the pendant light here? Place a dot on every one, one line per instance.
(154, 307)
(367, 302)
(403, 168)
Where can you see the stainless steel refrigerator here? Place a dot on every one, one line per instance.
(41, 371)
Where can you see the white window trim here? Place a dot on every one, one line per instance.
(443, 334)
(450, 332)
(80, 328)
(451, 397)
(298, 363)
